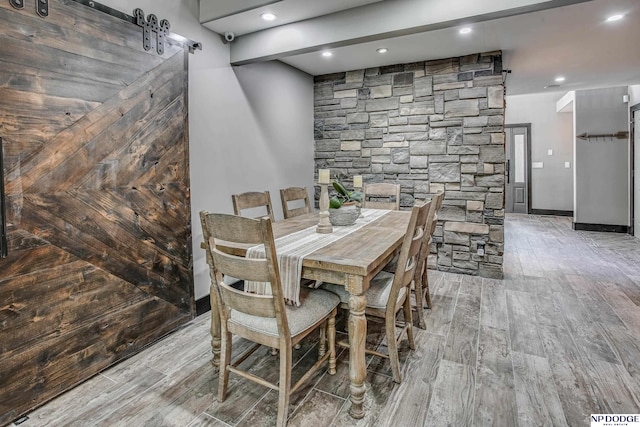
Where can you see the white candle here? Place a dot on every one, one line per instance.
(357, 181)
(323, 176)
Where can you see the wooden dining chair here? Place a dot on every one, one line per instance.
(389, 293)
(263, 319)
(252, 200)
(422, 280)
(294, 194)
(381, 195)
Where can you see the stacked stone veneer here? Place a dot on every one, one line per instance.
(429, 126)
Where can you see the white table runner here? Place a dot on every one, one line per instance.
(292, 249)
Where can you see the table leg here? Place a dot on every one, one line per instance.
(357, 340)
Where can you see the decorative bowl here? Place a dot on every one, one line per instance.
(345, 215)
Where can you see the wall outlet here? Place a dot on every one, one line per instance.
(550, 152)
(567, 165)
(481, 249)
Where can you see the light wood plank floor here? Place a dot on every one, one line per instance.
(555, 341)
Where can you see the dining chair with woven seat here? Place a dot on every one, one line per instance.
(252, 200)
(389, 293)
(381, 195)
(296, 195)
(263, 319)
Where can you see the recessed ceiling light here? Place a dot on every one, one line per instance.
(382, 50)
(560, 79)
(465, 30)
(267, 16)
(615, 18)
(327, 53)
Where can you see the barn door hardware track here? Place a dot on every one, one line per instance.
(191, 44)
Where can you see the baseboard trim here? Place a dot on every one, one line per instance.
(203, 305)
(601, 227)
(550, 212)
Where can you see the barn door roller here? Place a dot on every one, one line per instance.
(151, 25)
(42, 6)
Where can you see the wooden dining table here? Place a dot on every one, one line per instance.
(351, 261)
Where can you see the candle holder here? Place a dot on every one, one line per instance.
(324, 226)
(357, 186)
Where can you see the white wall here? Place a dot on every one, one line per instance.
(250, 128)
(551, 186)
(634, 95)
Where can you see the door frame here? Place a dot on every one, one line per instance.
(528, 168)
(632, 111)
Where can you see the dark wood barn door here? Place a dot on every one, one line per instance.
(95, 145)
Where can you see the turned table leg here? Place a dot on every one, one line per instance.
(357, 340)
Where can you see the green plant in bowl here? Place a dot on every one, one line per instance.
(344, 196)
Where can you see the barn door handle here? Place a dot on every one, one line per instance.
(508, 171)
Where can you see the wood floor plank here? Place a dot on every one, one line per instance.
(493, 304)
(318, 409)
(453, 392)
(108, 402)
(536, 394)
(626, 344)
(547, 312)
(438, 319)
(57, 412)
(522, 327)
(462, 340)
(471, 285)
(447, 287)
(574, 387)
(586, 333)
(495, 402)
(205, 420)
(617, 392)
(409, 401)
(587, 292)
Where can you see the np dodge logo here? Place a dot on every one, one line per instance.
(615, 420)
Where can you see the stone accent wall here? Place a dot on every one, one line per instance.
(429, 126)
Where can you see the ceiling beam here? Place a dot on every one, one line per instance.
(378, 21)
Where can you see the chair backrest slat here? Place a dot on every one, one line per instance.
(381, 196)
(251, 200)
(223, 262)
(256, 305)
(292, 194)
(255, 270)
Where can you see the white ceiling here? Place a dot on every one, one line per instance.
(243, 16)
(573, 41)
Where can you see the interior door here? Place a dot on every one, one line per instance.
(95, 145)
(518, 152)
